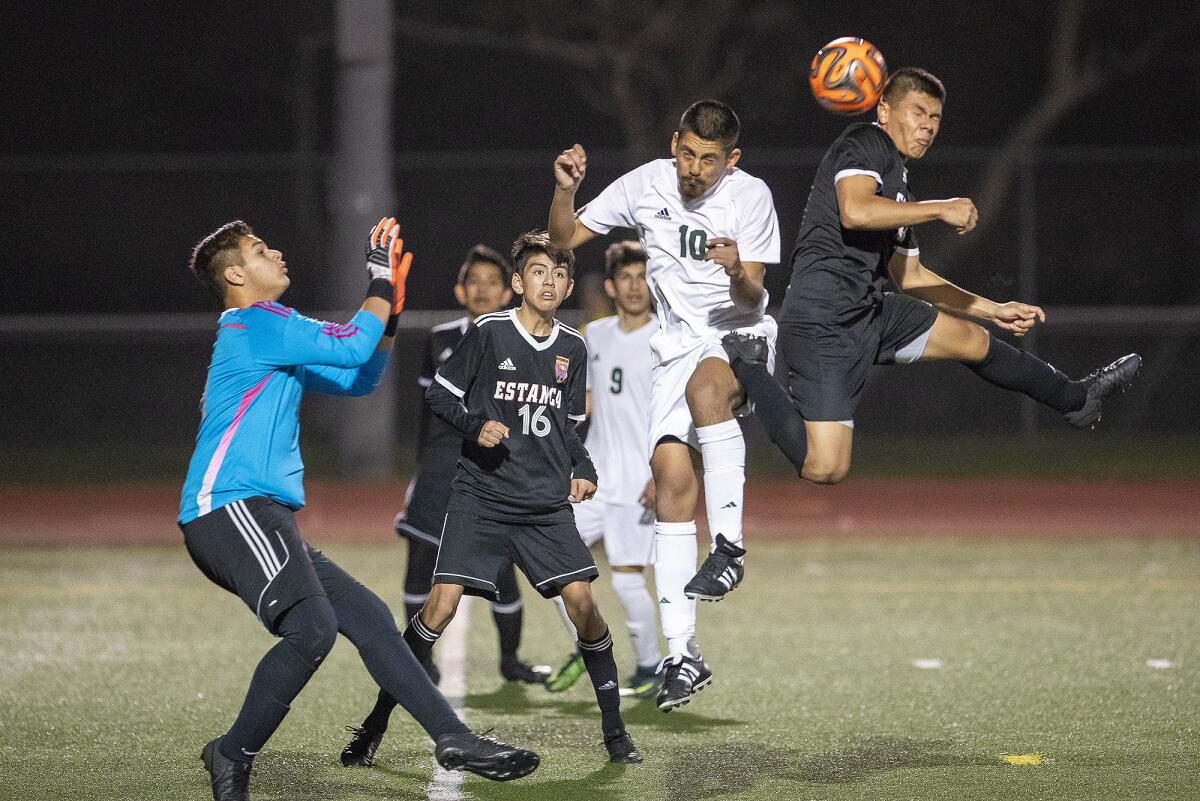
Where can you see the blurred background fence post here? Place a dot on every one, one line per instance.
(363, 192)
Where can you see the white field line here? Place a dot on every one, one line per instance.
(451, 655)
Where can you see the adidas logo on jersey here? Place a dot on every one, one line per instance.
(507, 365)
(663, 215)
(730, 505)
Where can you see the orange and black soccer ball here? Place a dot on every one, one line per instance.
(847, 76)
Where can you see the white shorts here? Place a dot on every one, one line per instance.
(669, 413)
(628, 541)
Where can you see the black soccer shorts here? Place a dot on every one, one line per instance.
(253, 549)
(475, 550)
(828, 361)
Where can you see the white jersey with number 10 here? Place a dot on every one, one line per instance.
(692, 293)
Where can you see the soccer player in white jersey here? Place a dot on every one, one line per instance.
(622, 511)
(709, 229)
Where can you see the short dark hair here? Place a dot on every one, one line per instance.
(622, 253)
(531, 242)
(912, 79)
(712, 121)
(482, 253)
(217, 251)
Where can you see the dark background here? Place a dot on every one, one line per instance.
(133, 130)
(231, 96)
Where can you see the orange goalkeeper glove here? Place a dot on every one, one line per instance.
(387, 261)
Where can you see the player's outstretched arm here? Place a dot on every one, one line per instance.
(916, 279)
(281, 337)
(565, 229)
(861, 209)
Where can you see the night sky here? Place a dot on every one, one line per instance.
(80, 79)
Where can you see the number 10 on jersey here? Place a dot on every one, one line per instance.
(693, 243)
(534, 420)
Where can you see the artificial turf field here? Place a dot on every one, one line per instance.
(121, 663)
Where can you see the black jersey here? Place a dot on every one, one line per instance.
(441, 443)
(836, 271)
(537, 388)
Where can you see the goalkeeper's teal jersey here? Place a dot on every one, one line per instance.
(264, 358)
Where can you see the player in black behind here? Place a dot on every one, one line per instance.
(514, 389)
(483, 288)
(838, 319)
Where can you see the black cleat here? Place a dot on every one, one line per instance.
(484, 756)
(513, 669)
(751, 350)
(747, 347)
(684, 676)
(1102, 383)
(720, 573)
(621, 748)
(230, 777)
(360, 751)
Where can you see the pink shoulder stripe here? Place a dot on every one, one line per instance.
(274, 308)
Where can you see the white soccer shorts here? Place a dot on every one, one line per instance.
(669, 413)
(628, 542)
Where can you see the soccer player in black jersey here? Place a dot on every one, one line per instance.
(838, 318)
(514, 390)
(483, 288)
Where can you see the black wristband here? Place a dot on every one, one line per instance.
(389, 330)
(381, 288)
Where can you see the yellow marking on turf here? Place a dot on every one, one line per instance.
(1022, 759)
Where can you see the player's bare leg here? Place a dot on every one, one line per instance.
(829, 446)
(1001, 364)
(711, 394)
(595, 645)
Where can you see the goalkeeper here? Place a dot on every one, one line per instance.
(245, 482)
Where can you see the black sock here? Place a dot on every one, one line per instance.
(401, 677)
(420, 638)
(378, 718)
(1009, 368)
(602, 668)
(508, 613)
(775, 411)
(309, 630)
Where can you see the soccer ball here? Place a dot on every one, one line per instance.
(847, 76)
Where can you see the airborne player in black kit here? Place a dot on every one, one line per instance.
(839, 318)
(514, 389)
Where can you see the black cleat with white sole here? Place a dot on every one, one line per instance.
(721, 572)
(683, 676)
(484, 756)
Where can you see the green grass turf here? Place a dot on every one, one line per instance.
(120, 664)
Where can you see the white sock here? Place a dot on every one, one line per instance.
(724, 453)
(674, 566)
(639, 616)
(566, 619)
